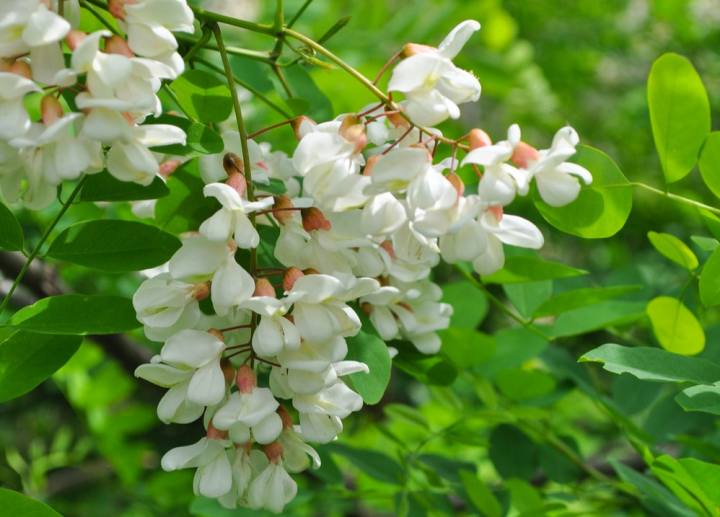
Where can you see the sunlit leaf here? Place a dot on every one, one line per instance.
(673, 249)
(710, 280)
(675, 327)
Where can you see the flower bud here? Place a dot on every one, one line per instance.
(263, 287)
(353, 130)
(215, 434)
(228, 370)
(456, 182)
(314, 219)
(299, 125)
(201, 291)
(478, 138)
(117, 45)
(217, 334)
(281, 209)
(290, 276)
(285, 417)
(273, 451)
(238, 182)
(168, 167)
(117, 8)
(524, 154)
(366, 308)
(245, 379)
(233, 164)
(50, 109)
(370, 164)
(388, 247)
(497, 211)
(410, 49)
(74, 38)
(21, 68)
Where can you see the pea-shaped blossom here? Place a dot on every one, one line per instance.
(14, 118)
(211, 458)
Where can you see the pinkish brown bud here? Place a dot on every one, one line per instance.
(50, 109)
(245, 379)
(311, 271)
(497, 211)
(397, 120)
(314, 219)
(285, 417)
(201, 291)
(478, 138)
(370, 164)
(353, 130)
(215, 434)
(117, 8)
(168, 167)
(290, 277)
(410, 49)
(216, 333)
(297, 124)
(117, 45)
(282, 209)
(233, 164)
(21, 68)
(366, 308)
(388, 247)
(524, 154)
(238, 182)
(273, 451)
(456, 182)
(228, 371)
(74, 38)
(263, 287)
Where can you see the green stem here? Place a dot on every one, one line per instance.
(197, 44)
(36, 250)
(299, 13)
(256, 55)
(675, 197)
(210, 16)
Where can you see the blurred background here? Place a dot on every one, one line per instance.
(89, 442)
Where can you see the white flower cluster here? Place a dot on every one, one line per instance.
(366, 215)
(115, 80)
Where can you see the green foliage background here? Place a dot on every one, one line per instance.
(505, 421)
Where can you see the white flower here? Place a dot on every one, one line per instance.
(245, 467)
(162, 301)
(232, 220)
(336, 401)
(394, 171)
(296, 453)
(320, 427)
(214, 475)
(274, 332)
(557, 180)
(432, 84)
(272, 489)
(250, 414)
(431, 199)
(14, 119)
(383, 214)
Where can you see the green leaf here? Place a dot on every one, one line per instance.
(679, 114)
(684, 478)
(705, 243)
(480, 495)
(18, 505)
(602, 208)
(11, 234)
(373, 463)
(319, 106)
(654, 496)
(702, 397)
(709, 163)
(274, 186)
(653, 364)
(201, 139)
(512, 452)
(570, 300)
(447, 468)
(514, 347)
(710, 280)
(27, 359)
(520, 385)
(114, 245)
(469, 303)
(527, 297)
(77, 314)
(596, 317)
(186, 207)
(675, 327)
(531, 269)
(673, 249)
(203, 96)
(371, 350)
(104, 187)
(435, 369)
(467, 347)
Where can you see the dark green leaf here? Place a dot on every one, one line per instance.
(303, 87)
(186, 207)
(200, 138)
(710, 280)
(654, 364)
(203, 96)
(512, 452)
(709, 163)
(11, 234)
(447, 468)
(77, 314)
(513, 348)
(373, 463)
(570, 300)
(527, 297)
(467, 347)
(480, 495)
(679, 113)
(434, 369)
(372, 351)
(27, 359)
(656, 497)
(274, 186)
(705, 398)
(104, 187)
(469, 303)
(18, 505)
(595, 317)
(520, 385)
(530, 269)
(114, 245)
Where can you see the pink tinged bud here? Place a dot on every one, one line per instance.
(478, 138)
(388, 247)
(238, 182)
(397, 120)
(117, 8)
(263, 287)
(273, 451)
(217, 334)
(245, 379)
(524, 154)
(50, 109)
(228, 371)
(201, 291)
(74, 38)
(314, 219)
(233, 164)
(5, 65)
(117, 45)
(128, 117)
(497, 211)
(282, 209)
(456, 182)
(21, 68)
(366, 308)
(298, 122)
(410, 49)
(285, 417)
(353, 130)
(168, 167)
(215, 434)
(370, 164)
(290, 276)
